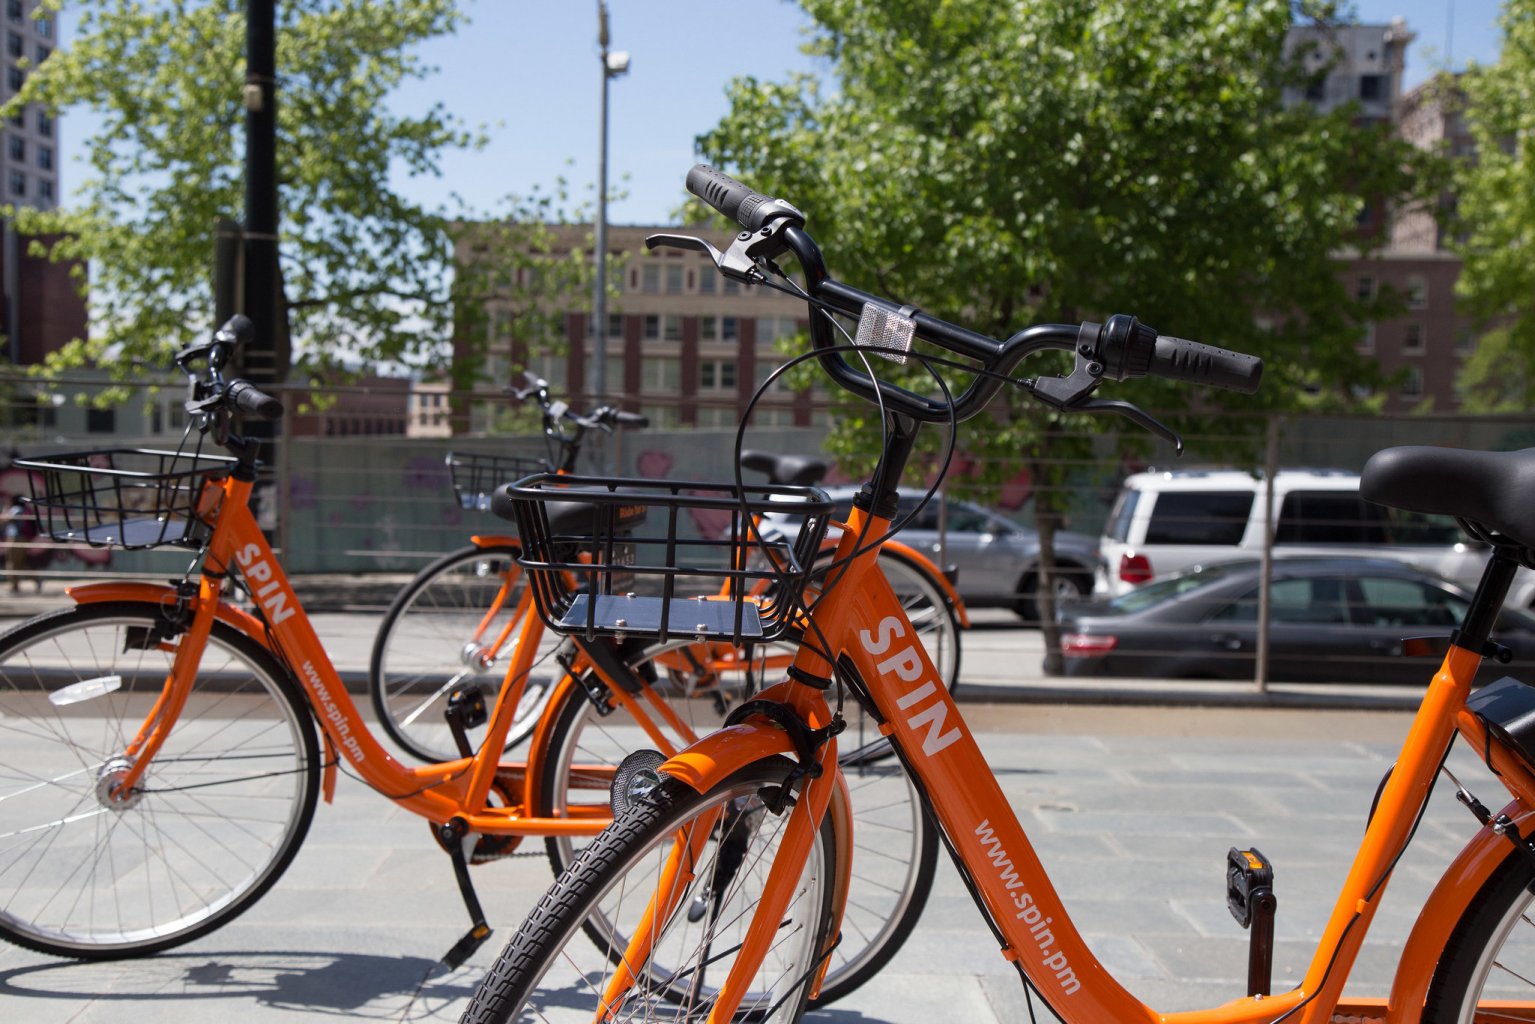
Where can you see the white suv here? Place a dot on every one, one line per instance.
(1168, 522)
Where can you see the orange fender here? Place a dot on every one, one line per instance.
(722, 753)
(159, 594)
(1461, 881)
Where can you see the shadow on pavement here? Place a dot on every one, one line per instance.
(331, 984)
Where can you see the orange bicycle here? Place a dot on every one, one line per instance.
(452, 627)
(718, 894)
(161, 761)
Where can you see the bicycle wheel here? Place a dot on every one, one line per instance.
(216, 817)
(928, 609)
(440, 634)
(1491, 952)
(551, 972)
(895, 847)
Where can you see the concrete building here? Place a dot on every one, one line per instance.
(685, 345)
(40, 305)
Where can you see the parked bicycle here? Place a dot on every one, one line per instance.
(715, 894)
(161, 762)
(454, 624)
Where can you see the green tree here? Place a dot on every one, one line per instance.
(366, 270)
(999, 164)
(1496, 211)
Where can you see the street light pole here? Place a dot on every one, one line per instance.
(614, 63)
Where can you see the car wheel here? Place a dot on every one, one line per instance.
(1072, 583)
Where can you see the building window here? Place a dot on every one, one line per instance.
(771, 328)
(17, 147)
(44, 125)
(615, 325)
(45, 157)
(1366, 342)
(1372, 88)
(1417, 293)
(674, 279)
(18, 183)
(13, 10)
(45, 191)
(13, 45)
(43, 52)
(729, 328)
(706, 280)
(1364, 288)
(1316, 89)
(716, 375)
(659, 373)
(673, 328)
(44, 27)
(16, 78)
(717, 417)
(101, 421)
(1412, 387)
(650, 278)
(732, 286)
(652, 330)
(1412, 340)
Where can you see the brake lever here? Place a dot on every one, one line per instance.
(1135, 414)
(740, 260)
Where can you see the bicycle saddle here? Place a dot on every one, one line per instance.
(793, 470)
(1492, 489)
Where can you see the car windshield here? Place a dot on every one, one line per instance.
(1163, 590)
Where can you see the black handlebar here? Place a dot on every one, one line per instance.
(747, 208)
(1117, 350)
(248, 398)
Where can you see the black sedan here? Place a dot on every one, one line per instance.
(1332, 620)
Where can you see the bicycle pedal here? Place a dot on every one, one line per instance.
(1250, 898)
(1248, 874)
(464, 948)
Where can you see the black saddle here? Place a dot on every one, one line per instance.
(790, 470)
(1492, 489)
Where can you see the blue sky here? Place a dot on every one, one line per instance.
(528, 71)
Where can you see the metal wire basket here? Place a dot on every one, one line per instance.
(122, 497)
(476, 476)
(646, 558)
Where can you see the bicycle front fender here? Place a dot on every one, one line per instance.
(161, 595)
(1462, 880)
(722, 753)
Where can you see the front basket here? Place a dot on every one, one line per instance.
(646, 558)
(122, 497)
(475, 476)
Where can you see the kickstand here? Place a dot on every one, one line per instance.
(453, 834)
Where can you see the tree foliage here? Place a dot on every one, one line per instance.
(366, 270)
(999, 164)
(1496, 209)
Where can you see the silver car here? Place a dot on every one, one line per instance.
(997, 560)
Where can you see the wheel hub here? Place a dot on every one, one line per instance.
(476, 657)
(110, 779)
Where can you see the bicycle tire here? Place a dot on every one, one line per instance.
(617, 864)
(426, 647)
(927, 606)
(220, 812)
(1491, 951)
(895, 844)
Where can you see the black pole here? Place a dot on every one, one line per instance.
(261, 294)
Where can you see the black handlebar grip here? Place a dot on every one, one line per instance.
(1205, 364)
(747, 208)
(238, 329)
(631, 419)
(246, 397)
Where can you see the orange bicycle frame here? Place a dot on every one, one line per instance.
(866, 627)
